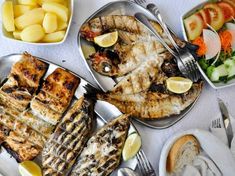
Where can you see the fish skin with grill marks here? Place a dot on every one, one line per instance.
(69, 138)
(152, 105)
(102, 153)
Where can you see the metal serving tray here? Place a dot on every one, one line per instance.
(106, 83)
(8, 165)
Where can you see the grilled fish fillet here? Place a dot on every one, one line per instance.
(36, 123)
(22, 129)
(68, 139)
(103, 151)
(152, 105)
(20, 148)
(28, 72)
(141, 78)
(55, 96)
(22, 82)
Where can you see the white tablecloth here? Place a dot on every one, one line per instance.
(153, 140)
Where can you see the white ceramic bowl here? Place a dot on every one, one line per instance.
(212, 84)
(9, 35)
(218, 152)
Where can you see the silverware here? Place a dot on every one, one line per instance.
(145, 166)
(216, 123)
(185, 56)
(226, 120)
(144, 20)
(126, 172)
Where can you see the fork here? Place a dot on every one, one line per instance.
(216, 123)
(145, 166)
(186, 57)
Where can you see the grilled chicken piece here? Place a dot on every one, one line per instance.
(152, 105)
(103, 151)
(68, 139)
(28, 72)
(55, 96)
(17, 146)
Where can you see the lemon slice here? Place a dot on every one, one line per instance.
(106, 40)
(178, 84)
(131, 146)
(29, 168)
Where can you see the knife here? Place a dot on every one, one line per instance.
(227, 121)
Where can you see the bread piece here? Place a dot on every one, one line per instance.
(183, 152)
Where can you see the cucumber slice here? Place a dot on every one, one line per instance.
(218, 72)
(230, 66)
(231, 71)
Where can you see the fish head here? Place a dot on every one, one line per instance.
(103, 64)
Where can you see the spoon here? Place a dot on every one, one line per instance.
(125, 171)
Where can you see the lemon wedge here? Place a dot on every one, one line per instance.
(106, 40)
(178, 85)
(29, 168)
(131, 146)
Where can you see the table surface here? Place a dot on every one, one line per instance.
(67, 55)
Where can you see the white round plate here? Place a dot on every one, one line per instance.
(211, 145)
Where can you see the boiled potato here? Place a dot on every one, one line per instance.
(58, 1)
(33, 33)
(28, 2)
(60, 10)
(50, 22)
(21, 9)
(16, 35)
(61, 25)
(31, 17)
(8, 16)
(54, 37)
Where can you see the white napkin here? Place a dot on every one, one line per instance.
(221, 133)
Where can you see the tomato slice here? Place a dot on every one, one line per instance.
(216, 14)
(230, 2)
(205, 16)
(194, 26)
(228, 10)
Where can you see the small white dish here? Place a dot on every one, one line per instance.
(218, 152)
(219, 85)
(9, 35)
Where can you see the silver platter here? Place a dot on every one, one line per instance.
(104, 112)
(106, 83)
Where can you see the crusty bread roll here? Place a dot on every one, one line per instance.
(183, 152)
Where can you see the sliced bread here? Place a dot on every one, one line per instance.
(183, 152)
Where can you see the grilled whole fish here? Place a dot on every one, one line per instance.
(68, 139)
(152, 105)
(103, 150)
(135, 45)
(104, 24)
(55, 96)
